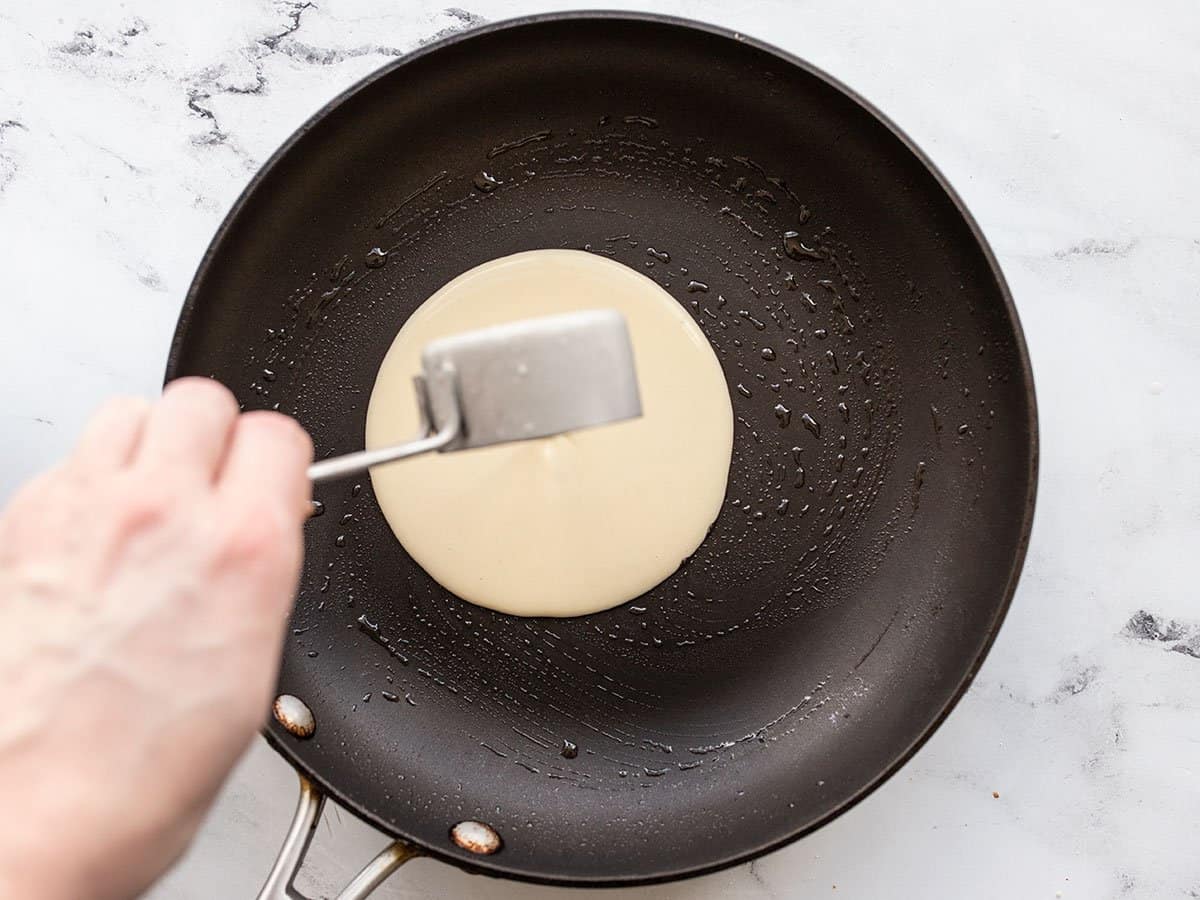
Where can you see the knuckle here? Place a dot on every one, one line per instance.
(145, 505)
(257, 538)
(203, 392)
(199, 385)
(281, 430)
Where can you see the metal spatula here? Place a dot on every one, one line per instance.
(528, 379)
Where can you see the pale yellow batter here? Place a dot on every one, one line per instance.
(576, 523)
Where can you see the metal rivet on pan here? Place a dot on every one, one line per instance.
(476, 837)
(294, 715)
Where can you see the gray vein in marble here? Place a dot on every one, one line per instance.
(259, 86)
(295, 11)
(752, 869)
(83, 44)
(218, 79)
(328, 56)
(8, 163)
(464, 20)
(286, 43)
(1093, 247)
(203, 84)
(1076, 683)
(136, 170)
(135, 27)
(1183, 637)
(86, 42)
(195, 98)
(89, 42)
(150, 277)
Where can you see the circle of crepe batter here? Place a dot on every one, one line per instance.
(576, 523)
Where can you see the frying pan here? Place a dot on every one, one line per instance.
(880, 495)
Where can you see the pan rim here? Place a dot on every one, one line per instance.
(494, 866)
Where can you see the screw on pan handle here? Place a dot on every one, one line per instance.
(278, 885)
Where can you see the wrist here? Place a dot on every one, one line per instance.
(44, 850)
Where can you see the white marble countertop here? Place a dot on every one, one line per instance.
(1073, 133)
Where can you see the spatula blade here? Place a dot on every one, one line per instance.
(532, 378)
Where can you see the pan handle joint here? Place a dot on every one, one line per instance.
(279, 883)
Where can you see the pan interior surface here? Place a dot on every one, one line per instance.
(882, 479)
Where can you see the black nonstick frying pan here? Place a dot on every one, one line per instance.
(884, 464)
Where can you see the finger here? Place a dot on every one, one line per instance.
(189, 429)
(112, 435)
(268, 462)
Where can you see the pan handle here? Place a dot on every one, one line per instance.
(278, 885)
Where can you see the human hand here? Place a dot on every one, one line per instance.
(145, 584)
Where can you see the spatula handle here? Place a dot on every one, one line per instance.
(337, 466)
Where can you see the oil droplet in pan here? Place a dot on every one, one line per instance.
(485, 183)
(795, 248)
(918, 481)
